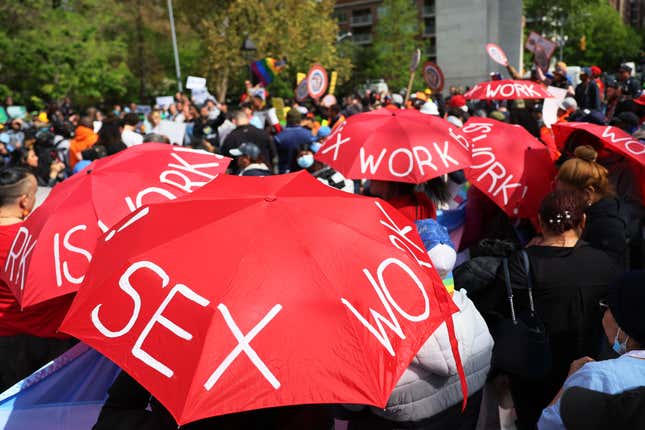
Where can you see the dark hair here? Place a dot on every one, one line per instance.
(131, 119)
(13, 183)
(110, 134)
(562, 210)
(156, 137)
(19, 157)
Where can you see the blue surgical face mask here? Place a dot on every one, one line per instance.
(620, 347)
(315, 146)
(305, 161)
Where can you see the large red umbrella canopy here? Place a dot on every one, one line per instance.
(510, 166)
(612, 138)
(260, 292)
(507, 89)
(401, 145)
(53, 248)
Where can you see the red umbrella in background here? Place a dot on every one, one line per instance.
(402, 146)
(507, 90)
(510, 166)
(317, 296)
(53, 248)
(611, 138)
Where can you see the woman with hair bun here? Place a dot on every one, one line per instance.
(568, 277)
(606, 226)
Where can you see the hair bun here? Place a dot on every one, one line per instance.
(586, 153)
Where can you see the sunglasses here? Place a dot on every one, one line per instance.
(604, 305)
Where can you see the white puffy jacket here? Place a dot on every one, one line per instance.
(431, 384)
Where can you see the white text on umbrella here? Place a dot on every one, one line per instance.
(20, 250)
(243, 346)
(496, 172)
(401, 161)
(382, 291)
(632, 145)
(71, 248)
(158, 317)
(339, 141)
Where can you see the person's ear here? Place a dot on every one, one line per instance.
(589, 193)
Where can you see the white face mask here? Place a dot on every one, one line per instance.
(618, 347)
(306, 161)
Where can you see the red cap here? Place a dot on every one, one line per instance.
(595, 71)
(641, 99)
(457, 101)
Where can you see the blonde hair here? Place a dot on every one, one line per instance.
(583, 172)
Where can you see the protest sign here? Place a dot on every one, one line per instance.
(144, 109)
(332, 83)
(3, 115)
(278, 104)
(497, 54)
(194, 82)
(433, 76)
(165, 101)
(175, 131)
(301, 92)
(535, 40)
(317, 81)
(17, 111)
(97, 125)
(550, 106)
(200, 95)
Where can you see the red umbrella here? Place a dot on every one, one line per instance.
(507, 90)
(510, 166)
(402, 146)
(53, 248)
(278, 291)
(612, 138)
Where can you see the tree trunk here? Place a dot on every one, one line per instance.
(221, 85)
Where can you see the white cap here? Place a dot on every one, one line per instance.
(397, 98)
(569, 103)
(429, 108)
(443, 258)
(455, 121)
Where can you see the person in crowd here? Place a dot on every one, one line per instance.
(206, 127)
(587, 92)
(606, 221)
(325, 174)
(561, 79)
(16, 133)
(585, 409)
(129, 136)
(294, 136)
(27, 159)
(624, 328)
(428, 395)
(244, 132)
(27, 336)
(568, 278)
(334, 116)
(249, 160)
(629, 86)
(84, 138)
(110, 135)
(409, 199)
(612, 94)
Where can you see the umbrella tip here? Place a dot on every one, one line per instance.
(270, 198)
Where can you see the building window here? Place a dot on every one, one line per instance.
(341, 16)
(428, 8)
(361, 17)
(429, 27)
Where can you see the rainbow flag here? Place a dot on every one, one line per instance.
(267, 69)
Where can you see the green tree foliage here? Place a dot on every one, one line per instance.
(118, 50)
(303, 32)
(608, 40)
(79, 50)
(396, 33)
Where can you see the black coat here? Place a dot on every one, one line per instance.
(606, 228)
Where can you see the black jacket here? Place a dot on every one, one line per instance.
(588, 96)
(606, 228)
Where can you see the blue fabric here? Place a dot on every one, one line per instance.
(609, 376)
(287, 143)
(432, 233)
(66, 394)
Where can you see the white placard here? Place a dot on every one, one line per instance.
(550, 106)
(175, 131)
(97, 125)
(164, 101)
(194, 82)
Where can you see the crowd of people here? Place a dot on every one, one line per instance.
(574, 272)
